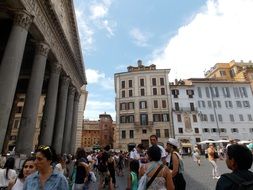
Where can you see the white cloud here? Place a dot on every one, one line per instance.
(94, 108)
(220, 32)
(99, 78)
(140, 38)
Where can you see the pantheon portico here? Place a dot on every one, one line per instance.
(40, 56)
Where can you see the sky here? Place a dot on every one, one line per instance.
(186, 36)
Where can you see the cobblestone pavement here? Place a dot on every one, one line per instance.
(197, 177)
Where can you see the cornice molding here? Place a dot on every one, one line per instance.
(46, 20)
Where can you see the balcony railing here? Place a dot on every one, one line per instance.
(185, 109)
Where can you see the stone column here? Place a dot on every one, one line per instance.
(68, 121)
(74, 123)
(24, 144)
(47, 124)
(60, 115)
(10, 68)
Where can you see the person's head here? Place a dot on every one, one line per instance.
(140, 148)
(154, 153)
(45, 155)
(28, 167)
(153, 139)
(80, 153)
(239, 157)
(211, 145)
(172, 145)
(107, 148)
(134, 166)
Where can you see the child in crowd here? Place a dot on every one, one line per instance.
(132, 181)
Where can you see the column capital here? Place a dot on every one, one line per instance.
(56, 68)
(72, 90)
(23, 19)
(77, 96)
(42, 48)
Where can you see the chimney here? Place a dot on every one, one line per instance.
(139, 62)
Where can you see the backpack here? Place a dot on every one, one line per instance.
(102, 162)
(241, 183)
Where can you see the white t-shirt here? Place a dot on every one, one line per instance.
(11, 175)
(134, 154)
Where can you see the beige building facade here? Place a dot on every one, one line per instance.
(143, 106)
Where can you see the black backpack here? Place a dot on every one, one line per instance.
(241, 183)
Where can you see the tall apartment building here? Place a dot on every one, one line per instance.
(238, 71)
(142, 106)
(214, 109)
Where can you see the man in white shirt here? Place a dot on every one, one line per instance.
(154, 141)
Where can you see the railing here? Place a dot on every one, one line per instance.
(185, 109)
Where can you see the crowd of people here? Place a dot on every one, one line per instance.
(154, 168)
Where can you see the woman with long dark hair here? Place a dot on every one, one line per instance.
(28, 168)
(7, 173)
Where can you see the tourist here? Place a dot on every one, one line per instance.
(132, 180)
(163, 180)
(45, 178)
(28, 168)
(176, 164)
(196, 155)
(7, 173)
(239, 160)
(154, 141)
(212, 159)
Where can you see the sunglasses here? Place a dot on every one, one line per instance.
(44, 147)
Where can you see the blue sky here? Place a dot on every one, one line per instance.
(186, 36)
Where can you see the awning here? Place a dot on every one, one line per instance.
(186, 144)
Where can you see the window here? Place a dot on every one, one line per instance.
(19, 109)
(246, 104)
(212, 117)
(196, 130)
(180, 130)
(164, 105)
(205, 130)
(228, 104)
(161, 81)
(231, 116)
(16, 124)
(220, 117)
(199, 92)
(154, 81)
(122, 106)
(197, 139)
(201, 104)
(141, 82)
(250, 117)
(226, 92)
(209, 104)
(157, 132)
(142, 92)
(179, 119)
(131, 105)
(155, 103)
(175, 93)
(207, 92)
(162, 91)
(222, 73)
(241, 117)
(243, 92)
(130, 83)
(127, 119)
(192, 106)
(123, 95)
(190, 93)
(251, 130)
(234, 130)
(223, 130)
(176, 106)
(203, 117)
(143, 104)
(161, 117)
(194, 118)
(239, 104)
(214, 130)
(130, 93)
(214, 92)
(123, 85)
(123, 134)
(144, 119)
(144, 131)
(131, 134)
(236, 92)
(154, 91)
(166, 132)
